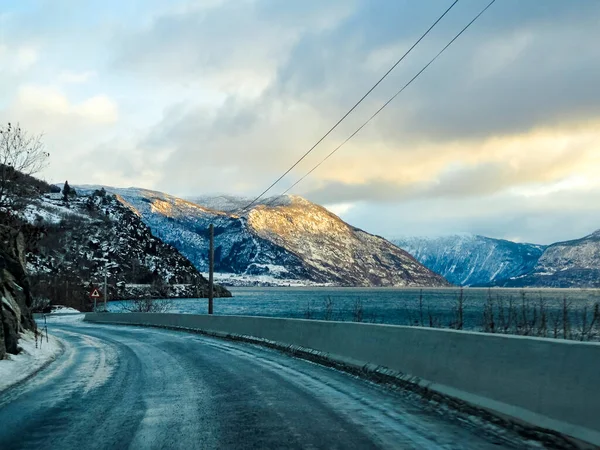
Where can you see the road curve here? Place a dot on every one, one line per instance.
(126, 387)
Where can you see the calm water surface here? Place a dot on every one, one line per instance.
(398, 306)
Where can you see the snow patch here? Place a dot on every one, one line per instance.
(61, 309)
(243, 280)
(65, 318)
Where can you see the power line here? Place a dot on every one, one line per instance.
(351, 109)
(389, 101)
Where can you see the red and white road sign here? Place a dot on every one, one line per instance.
(95, 293)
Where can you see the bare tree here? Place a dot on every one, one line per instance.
(565, 321)
(328, 308)
(458, 319)
(358, 311)
(489, 323)
(147, 305)
(586, 328)
(308, 313)
(22, 155)
(421, 308)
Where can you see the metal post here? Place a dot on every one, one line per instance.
(211, 267)
(104, 289)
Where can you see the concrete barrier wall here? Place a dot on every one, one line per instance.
(547, 383)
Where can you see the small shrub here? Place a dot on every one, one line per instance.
(147, 305)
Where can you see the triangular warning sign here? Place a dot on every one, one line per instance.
(95, 293)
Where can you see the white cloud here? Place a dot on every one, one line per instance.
(26, 57)
(49, 100)
(100, 109)
(234, 46)
(41, 98)
(575, 183)
(69, 77)
(544, 160)
(17, 60)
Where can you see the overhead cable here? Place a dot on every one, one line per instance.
(351, 109)
(389, 101)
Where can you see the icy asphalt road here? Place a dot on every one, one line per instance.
(125, 387)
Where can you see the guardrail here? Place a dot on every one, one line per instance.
(547, 383)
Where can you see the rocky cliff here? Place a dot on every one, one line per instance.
(335, 251)
(93, 235)
(15, 295)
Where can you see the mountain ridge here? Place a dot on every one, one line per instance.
(462, 260)
(572, 263)
(472, 260)
(291, 240)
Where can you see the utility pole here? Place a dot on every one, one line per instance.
(211, 267)
(105, 289)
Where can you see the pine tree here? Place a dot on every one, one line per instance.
(66, 192)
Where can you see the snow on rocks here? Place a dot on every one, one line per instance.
(472, 260)
(95, 233)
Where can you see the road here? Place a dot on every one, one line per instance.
(127, 387)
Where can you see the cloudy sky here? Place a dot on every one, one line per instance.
(500, 136)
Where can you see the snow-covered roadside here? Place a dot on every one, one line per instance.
(60, 309)
(242, 280)
(65, 317)
(31, 359)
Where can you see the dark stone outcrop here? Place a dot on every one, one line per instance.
(15, 295)
(97, 235)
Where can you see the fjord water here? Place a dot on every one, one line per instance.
(399, 306)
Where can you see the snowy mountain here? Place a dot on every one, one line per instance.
(287, 241)
(471, 260)
(573, 263)
(77, 241)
